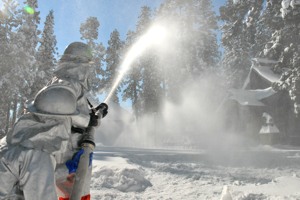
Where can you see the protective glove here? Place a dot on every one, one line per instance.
(94, 119)
(102, 109)
(72, 165)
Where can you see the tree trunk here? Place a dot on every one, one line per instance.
(7, 118)
(21, 107)
(14, 110)
(135, 101)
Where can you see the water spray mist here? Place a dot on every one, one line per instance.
(153, 37)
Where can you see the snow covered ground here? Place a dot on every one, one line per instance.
(258, 173)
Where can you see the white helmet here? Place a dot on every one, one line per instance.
(77, 52)
(76, 63)
(55, 99)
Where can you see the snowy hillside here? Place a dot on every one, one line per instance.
(249, 174)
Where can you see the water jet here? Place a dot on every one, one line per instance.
(153, 37)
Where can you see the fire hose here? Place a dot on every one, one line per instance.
(87, 144)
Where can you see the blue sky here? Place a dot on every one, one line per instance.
(112, 14)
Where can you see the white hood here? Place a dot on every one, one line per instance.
(76, 71)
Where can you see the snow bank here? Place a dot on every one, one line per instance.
(258, 173)
(284, 187)
(116, 173)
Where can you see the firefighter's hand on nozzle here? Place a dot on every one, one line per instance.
(94, 119)
(98, 113)
(103, 109)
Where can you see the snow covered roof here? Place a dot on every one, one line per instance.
(263, 68)
(250, 97)
(264, 60)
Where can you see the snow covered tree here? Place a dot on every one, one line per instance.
(151, 84)
(47, 50)
(273, 21)
(150, 95)
(237, 59)
(132, 80)
(267, 23)
(174, 66)
(10, 20)
(28, 36)
(206, 21)
(284, 48)
(18, 38)
(199, 25)
(195, 50)
(89, 32)
(45, 57)
(143, 24)
(98, 85)
(29, 27)
(113, 61)
(256, 33)
(174, 69)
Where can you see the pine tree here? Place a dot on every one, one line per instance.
(47, 50)
(89, 32)
(132, 80)
(150, 95)
(142, 26)
(195, 49)
(206, 31)
(175, 69)
(28, 35)
(19, 36)
(199, 25)
(237, 59)
(151, 84)
(45, 57)
(113, 61)
(29, 28)
(255, 33)
(284, 48)
(98, 85)
(273, 21)
(10, 20)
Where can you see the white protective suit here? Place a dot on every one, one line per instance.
(77, 76)
(36, 150)
(27, 162)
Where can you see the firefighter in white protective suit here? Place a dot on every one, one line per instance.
(41, 151)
